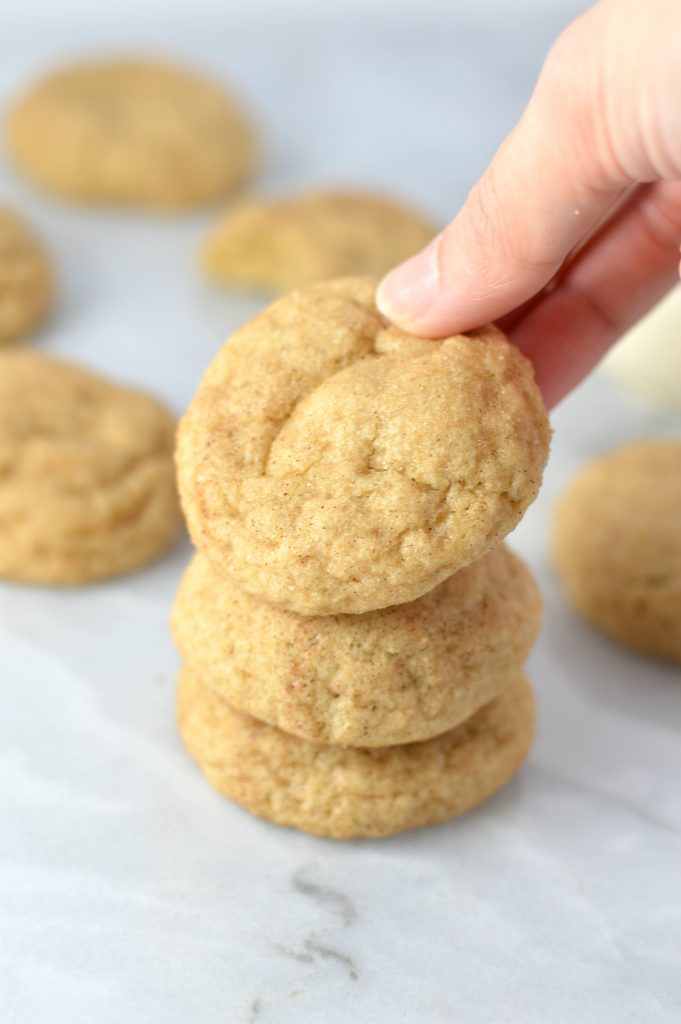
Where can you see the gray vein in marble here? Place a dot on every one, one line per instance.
(313, 948)
(338, 901)
(327, 953)
(579, 786)
(259, 1005)
(295, 954)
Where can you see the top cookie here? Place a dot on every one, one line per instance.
(131, 132)
(279, 245)
(87, 487)
(26, 285)
(617, 545)
(332, 463)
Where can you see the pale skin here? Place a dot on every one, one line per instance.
(573, 231)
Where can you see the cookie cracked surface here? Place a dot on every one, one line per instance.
(277, 245)
(617, 545)
(132, 132)
(346, 792)
(331, 463)
(26, 281)
(87, 487)
(393, 676)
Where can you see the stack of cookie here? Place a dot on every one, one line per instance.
(353, 631)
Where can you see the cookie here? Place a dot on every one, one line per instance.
(346, 792)
(131, 132)
(272, 245)
(617, 545)
(332, 463)
(86, 474)
(393, 676)
(26, 285)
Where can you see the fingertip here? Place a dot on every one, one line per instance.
(408, 292)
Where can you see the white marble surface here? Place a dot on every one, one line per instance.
(129, 890)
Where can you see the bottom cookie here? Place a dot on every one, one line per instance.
(346, 792)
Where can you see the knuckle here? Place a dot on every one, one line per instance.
(483, 222)
(493, 240)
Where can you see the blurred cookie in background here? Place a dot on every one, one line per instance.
(26, 279)
(275, 245)
(647, 361)
(87, 486)
(131, 132)
(617, 545)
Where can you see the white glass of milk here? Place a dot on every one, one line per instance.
(646, 362)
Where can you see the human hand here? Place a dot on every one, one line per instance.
(573, 232)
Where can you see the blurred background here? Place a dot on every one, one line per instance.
(411, 98)
(411, 95)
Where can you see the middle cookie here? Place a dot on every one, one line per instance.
(398, 675)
